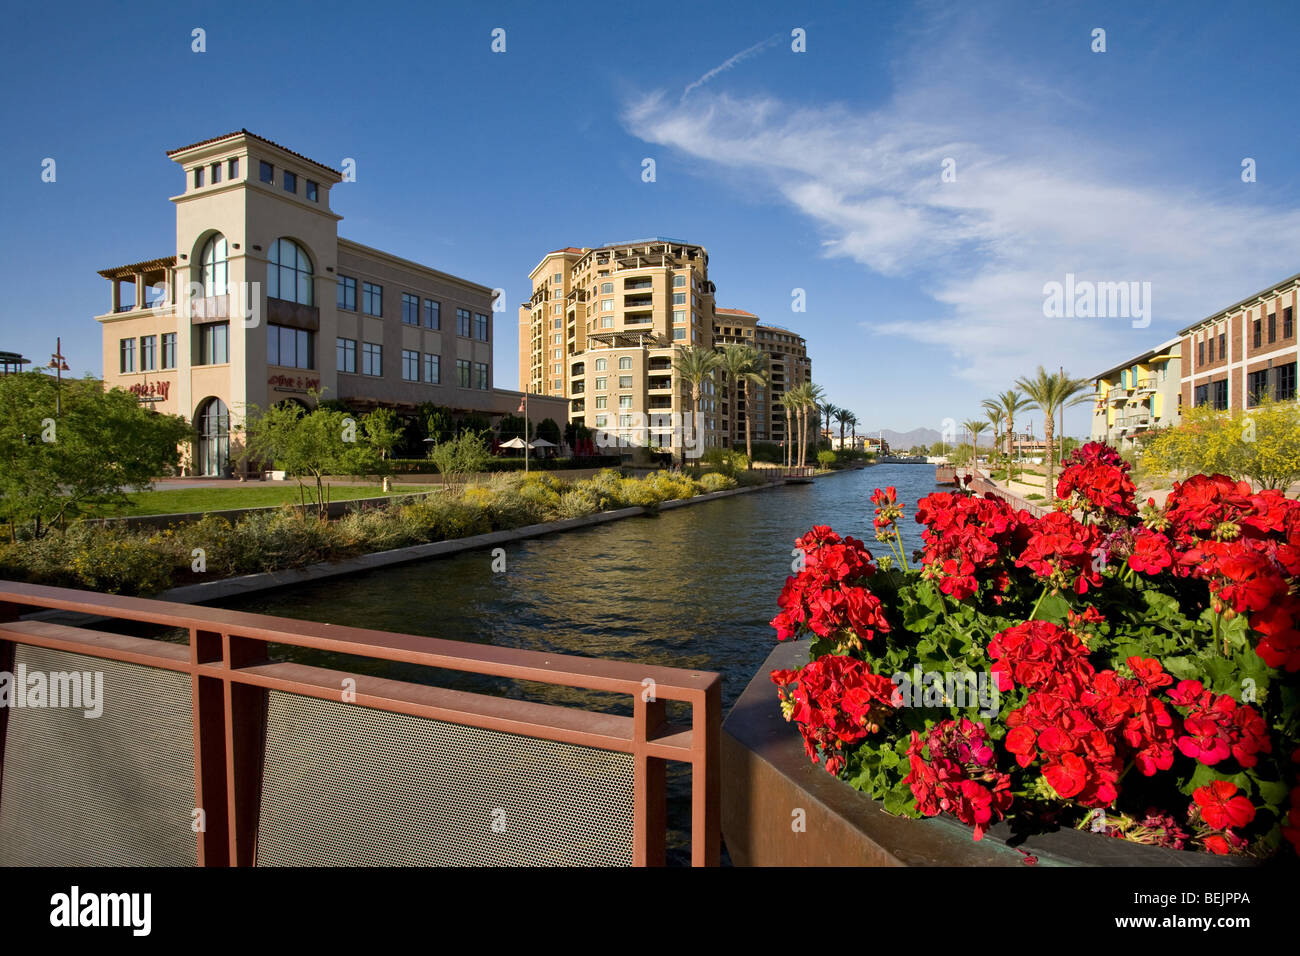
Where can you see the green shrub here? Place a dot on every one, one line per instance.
(726, 461)
(826, 459)
(578, 503)
(715, 482)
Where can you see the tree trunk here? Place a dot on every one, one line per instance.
(1051, 460)
(749, 441)
(789, 437)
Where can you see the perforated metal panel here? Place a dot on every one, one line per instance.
(348, 785)
(113, 790)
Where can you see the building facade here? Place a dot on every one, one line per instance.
(1141, 394)
(603, 328)
(262, 302)
(1234, 357)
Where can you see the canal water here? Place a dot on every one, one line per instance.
(692, 587)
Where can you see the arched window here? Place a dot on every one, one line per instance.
(601, 365)
(288, 273)
(214, 271)
(625, 362)
(213, 449)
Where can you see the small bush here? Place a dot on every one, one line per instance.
(826, 459)
(716, 482)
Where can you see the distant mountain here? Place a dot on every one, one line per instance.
(901, 441)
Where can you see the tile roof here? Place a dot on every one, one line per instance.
(148, 265)
(244, 132)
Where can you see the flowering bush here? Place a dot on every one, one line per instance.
(1135, 673)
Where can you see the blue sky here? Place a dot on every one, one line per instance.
(818, 170)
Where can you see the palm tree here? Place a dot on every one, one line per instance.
(975, 427)
(995, 421)
(806, 400)
(1009, 404)
(790, 402)
(1049, 392)
(842, 415)
(741, 363)
(695, 365)
(830, 411)
(853, 424)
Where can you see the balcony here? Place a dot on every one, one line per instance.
(1133, 420)
(643, 282)
(1146, 383)
(638, 302)
(660, 385)
(1117, 393)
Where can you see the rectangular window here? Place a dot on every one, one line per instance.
(216, 173)
(481, 375)
(462, 373)
(169, 350)
(1272, 327)
(1255, 333)
(625, 381)
(625, 401)
(607, 322)
(214, 340)
(1220, 395)
(1288, 323)
(372, 299)
(289, 348)
(266, 172)
(311, 190)
(463, 322)
(679, 333)
(410, 365)
(372, 359)
(601, 420)
(290, 182)
(679, 298)
(433, 369)
(126, 355)
(346, 354)
(1200, 353)
(198, 176)
(347, 293)
(232, 168)
(148, 353)
(607, 288)
(480, 327)
(1223, 345)
(410, 309)
(1256, 387)
(1211, 350)
(679, 282)
(1284, 382)
(601, 384)
(432, 314)
(602, 401)
(679, 315)
(558, 278)
(1201, 396)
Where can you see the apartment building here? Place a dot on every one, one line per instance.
(1232, 358)
(1138, 395)
(263, 302)
(785, 357)
(603, 327)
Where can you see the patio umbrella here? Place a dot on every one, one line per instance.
(515, 442)
(541, 443)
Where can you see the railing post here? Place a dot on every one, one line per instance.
(245, 746)
(650, 791)
(706, 778)
(208, 708)
(8, 612)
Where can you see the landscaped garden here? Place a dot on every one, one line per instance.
(1130, 672)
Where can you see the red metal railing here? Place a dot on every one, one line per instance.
(231, 673)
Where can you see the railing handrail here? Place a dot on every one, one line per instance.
(589, 673)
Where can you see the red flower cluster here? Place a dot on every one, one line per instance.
(1094, 479)
(1247, 547)
(1216, 727)
(825, 596)
(888, 510)
(1064, 551)
(960, 776)
(836, 701)
(1083, 725)
(964, 534)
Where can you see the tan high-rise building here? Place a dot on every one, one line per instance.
(786, 361)
(262, 301)
(603, 327)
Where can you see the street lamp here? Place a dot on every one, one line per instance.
(58, 363)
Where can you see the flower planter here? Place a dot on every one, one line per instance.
(768, 779)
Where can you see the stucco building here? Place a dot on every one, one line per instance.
(1138, 395)
(262, 301)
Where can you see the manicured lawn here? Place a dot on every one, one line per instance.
(181, 500)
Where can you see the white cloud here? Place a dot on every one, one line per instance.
(729, 62)
(1039, 193)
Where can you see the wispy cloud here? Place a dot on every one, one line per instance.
(1038, 193)
(728, 63)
